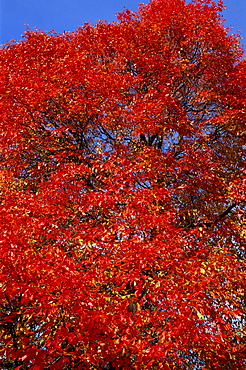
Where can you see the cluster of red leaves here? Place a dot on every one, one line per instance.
(123, 194)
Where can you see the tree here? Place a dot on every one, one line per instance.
(123, 194)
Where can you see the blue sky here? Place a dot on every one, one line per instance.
(66, 15)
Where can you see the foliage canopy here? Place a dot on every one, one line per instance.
(123, 194)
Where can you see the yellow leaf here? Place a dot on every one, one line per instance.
(199, 315)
